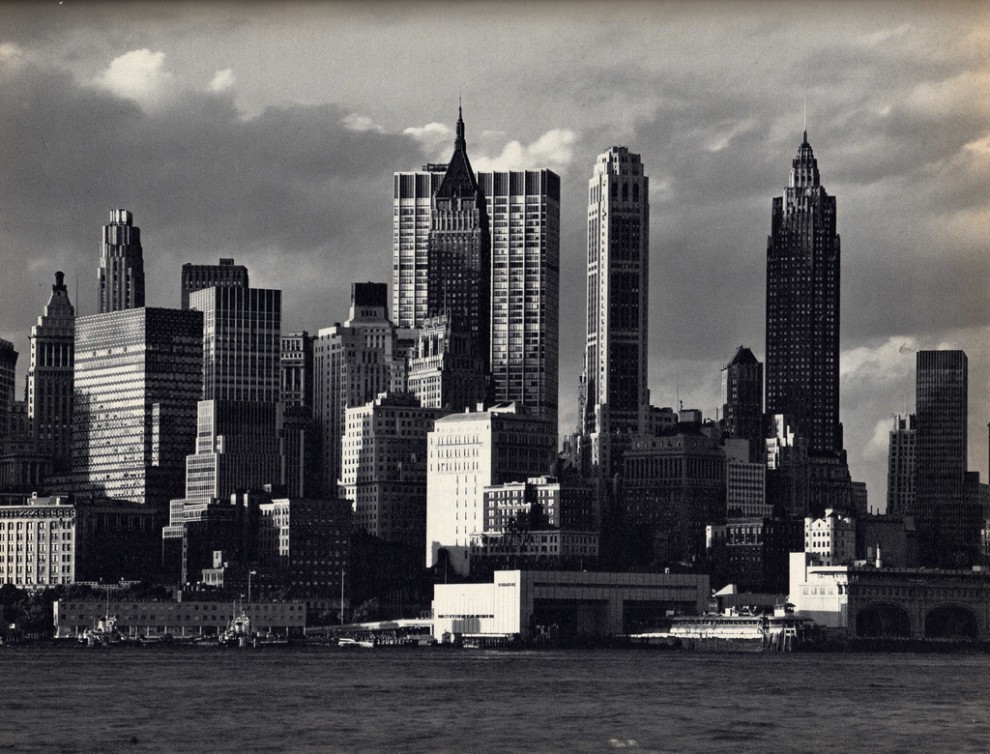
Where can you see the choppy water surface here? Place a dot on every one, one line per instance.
(421, 700)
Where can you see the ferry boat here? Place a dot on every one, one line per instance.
(734, 631)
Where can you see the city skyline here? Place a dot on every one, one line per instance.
(179, 134)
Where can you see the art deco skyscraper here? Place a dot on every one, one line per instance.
(802, 325)
(459, 253)
(614, 394)
(121, 264)
(49, 377)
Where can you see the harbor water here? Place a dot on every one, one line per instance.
(318, 699)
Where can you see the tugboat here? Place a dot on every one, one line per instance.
(103, 634)
(238, 632)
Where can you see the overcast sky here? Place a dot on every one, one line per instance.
(270, 134)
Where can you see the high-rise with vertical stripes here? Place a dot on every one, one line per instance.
(522, 211)
(614, 395)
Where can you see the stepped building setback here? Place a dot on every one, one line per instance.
(121, 264)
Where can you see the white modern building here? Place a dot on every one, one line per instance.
(564, 603)
(819, 592)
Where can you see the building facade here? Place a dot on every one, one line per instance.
(49, 377)
(614, 394)
(524, 213)
(901, 469)
(225, 274)
(8, 378)
(121, 275)
(948, 519)
(466, 453)
(136, 380)
(383, 466)
(742, 402)
(352, 364)
(54, 541)
(802, 310)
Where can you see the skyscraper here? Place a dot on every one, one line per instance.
(236, 446)
(136, 381)
(802, 315)
(742, 402)
(121, 264)
(614, 395)
(352, 364)
(412, 212)
(901, 462)
(226, 274)
(524, 210)
(8, 373)
(946, 519)
(49, 377)
(459, 253)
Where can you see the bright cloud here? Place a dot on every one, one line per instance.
(222, 81)
(357, 122)
(139, 75)
(554, 150)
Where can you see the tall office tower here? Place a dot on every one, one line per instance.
(384, 467)
(614, 395)
(226, 274)
(802, 325)
(136, 381)
(412, 213)
(742, 402)
(49, 377)
(948, 527)
(524, 211)
(298, 440)
(466, 453)
(8, 374)
(237, 446)
(121, 264)
(459, 254)
(352, 364)
(901, 472)
(524, 218)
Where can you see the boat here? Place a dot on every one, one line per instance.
(103, 634)
(733, 631)
(238, 631)
(346, 641)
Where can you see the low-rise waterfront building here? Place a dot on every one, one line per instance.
(564, 604)
(139, 619)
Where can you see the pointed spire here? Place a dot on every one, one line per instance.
(459, 142)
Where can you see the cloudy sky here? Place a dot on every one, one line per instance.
(270, 134)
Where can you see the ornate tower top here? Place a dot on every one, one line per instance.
(804, 167)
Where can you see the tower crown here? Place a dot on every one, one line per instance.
(804, 167)
(459, 180)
